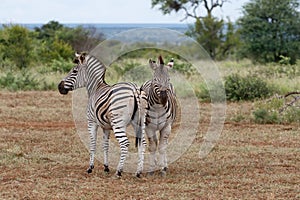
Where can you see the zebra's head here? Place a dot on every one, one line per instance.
(161, 79)
(76, 78)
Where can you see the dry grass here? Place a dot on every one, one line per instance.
(42, 157)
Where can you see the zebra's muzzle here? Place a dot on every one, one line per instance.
(62, 89)
(163, 97)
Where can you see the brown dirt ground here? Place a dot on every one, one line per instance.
(42, 157)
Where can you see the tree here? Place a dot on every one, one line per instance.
(270, 29)
(60, 42)
(80, 38)
(16, 45)
(48, 30)
(216, 36)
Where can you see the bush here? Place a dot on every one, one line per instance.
(214, 92)
(22, 81)
(58, 65)
(245, 88)
(268, 112)
(185, 68)
(16, 45)
(263, 116)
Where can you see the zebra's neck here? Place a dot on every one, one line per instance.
(95, 74)
(153, 97)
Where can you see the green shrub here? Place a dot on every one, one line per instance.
(212, 91)
(245, 88)
(23, 81)
(61, 65)
(263, 116)
(16, 45)
(268, 112)
(185, 68)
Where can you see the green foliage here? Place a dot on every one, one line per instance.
(262, 116)
(245, 88)
(280, 71)
(23, 81)
(55, 50)
(267, 112)
(58, 41)
(185, 68)
(61, 65)
(212, 91)
(270, 29)
(48, 31)
(208, 32)
(218, 38)
(16, 45)
(80, 39)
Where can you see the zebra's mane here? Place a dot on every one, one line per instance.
(95, 71)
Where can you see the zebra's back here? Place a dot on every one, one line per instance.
(110, 103)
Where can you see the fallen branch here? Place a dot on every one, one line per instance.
(295, 98)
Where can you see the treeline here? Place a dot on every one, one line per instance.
(21, 47)
(268, 31)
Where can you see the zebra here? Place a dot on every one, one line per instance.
(110, 107)
(162, 108)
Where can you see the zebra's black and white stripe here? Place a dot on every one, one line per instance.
(162, 107)
(110, 107)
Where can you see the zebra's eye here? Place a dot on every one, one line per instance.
(75, 70)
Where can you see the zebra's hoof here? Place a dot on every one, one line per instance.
(118, 175)
(151, 173)
(90, 169)
(106, 169)
(138, 175)
(163, 174)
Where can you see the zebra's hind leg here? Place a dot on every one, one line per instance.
(141, 152)
(92, 128)
(124, 150)
(105, 146)
(120, 134)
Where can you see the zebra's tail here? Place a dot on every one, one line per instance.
(141, 117)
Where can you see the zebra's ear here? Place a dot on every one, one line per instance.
(160, 60)
(82, 57)
(77, 54)
(152, 64)
(171, 63)
(76, 61)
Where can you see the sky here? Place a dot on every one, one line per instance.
(98, 11)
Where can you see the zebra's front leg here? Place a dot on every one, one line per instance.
(162, 148)
(92, 128)
(152, 138)
(105, 146)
